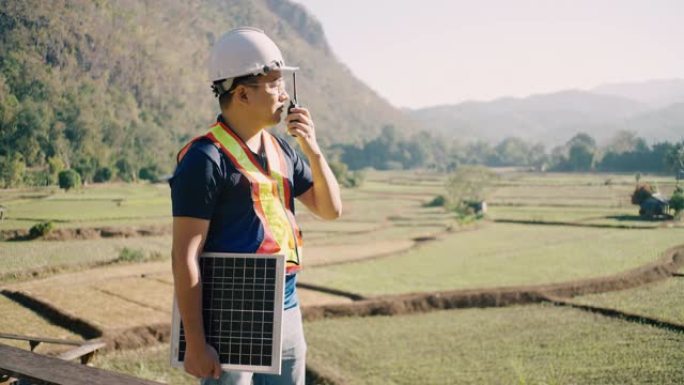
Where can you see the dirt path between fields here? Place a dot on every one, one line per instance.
(535, 222)
(619, 314)
(84, 233)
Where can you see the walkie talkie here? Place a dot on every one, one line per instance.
(293, 100)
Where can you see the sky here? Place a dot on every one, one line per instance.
(432, 52)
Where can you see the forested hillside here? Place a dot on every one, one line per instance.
(114, 87)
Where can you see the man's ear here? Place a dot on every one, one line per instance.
(241, 94)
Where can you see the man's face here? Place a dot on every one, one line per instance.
(269, 98)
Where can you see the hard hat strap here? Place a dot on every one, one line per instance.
(221, 86)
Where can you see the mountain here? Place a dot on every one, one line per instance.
(547, 118)
(658, 125)
(655, 93)
(123, 83)
(653, 109)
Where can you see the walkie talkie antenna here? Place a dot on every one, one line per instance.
(294, 87)
(293, 101)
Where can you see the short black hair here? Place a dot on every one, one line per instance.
(226, 97)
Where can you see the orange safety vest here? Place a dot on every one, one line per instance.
(270, 191)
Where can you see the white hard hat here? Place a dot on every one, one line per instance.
(244, 51)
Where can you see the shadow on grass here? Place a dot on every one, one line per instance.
(21, 237)
(639, 218)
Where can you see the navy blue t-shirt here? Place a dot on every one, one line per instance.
(207, 185)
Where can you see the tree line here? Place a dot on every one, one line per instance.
(625, 152)
(391, 150)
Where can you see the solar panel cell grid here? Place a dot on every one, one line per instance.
(239, 297)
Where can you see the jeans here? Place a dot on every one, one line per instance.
(294, 359)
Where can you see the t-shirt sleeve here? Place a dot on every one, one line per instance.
(302, 180)
(196, 183)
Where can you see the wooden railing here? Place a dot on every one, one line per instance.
(84, 349)
(34, 368)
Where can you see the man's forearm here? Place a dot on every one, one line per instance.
(326, 190)
(188, 291)
(188, 240)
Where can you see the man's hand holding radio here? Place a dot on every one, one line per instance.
(301, 126)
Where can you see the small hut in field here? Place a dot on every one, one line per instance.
(654, 207)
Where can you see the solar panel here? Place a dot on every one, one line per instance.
(242, 307)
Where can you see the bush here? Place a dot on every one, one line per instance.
(41, 229)
(150, 173)
(677, 201)
(37, 178)
(469, 183)
(438, 201)
(125, 170)
(55, 165)
(69, 179)
(130, 255)
(12, 170)
(103, 174)
(127, 255)
(355, 179)
(344, 177)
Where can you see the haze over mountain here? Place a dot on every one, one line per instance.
(653, 109)
(655, 93)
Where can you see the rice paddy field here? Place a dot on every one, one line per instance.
(536, 344)
(659, 300)
(501, 255)
(94, 205)
(585, 198)
(18, 257)
(540, 228)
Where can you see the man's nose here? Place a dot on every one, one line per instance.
(283, 96)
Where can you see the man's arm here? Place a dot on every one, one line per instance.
(189, 235)
(323, 198)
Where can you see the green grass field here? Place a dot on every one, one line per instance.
(534, 344)
(90, 206)
(614, 217)
(501, 255)
(16, 257)
(663, 300)
(574, 179)
(152, 363)
(553, 214)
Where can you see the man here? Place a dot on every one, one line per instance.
(220, 202)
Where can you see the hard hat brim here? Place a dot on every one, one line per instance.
(288, 68)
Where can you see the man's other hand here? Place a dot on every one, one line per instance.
(202, 362)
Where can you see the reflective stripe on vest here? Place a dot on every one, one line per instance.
(270, 191)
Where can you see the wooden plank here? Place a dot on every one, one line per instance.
(41, 339)
(35, 367)
(84, 350)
